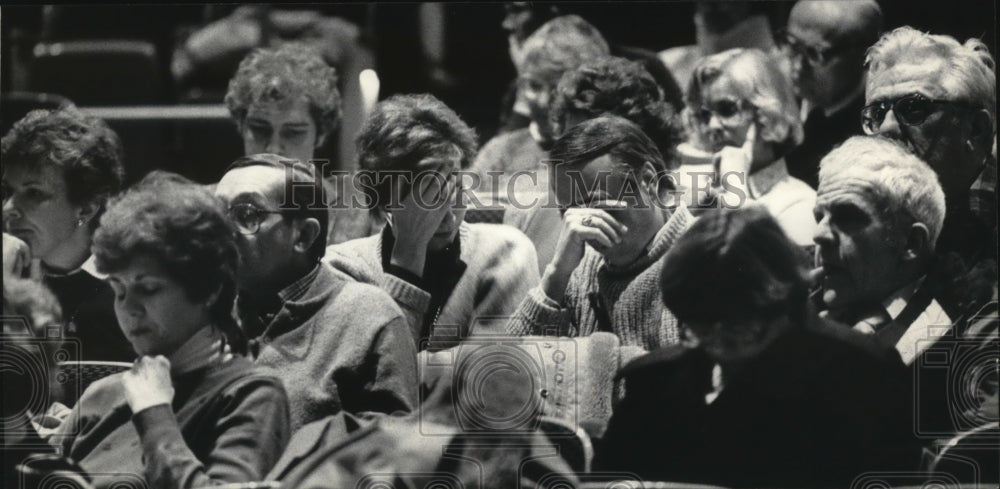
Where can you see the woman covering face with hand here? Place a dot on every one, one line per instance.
(619, 219)
(741, 108)
(188, 413)
(440, 270)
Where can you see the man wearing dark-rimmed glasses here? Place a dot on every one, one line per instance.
(825, 43)
(937, 97)
(337, 345)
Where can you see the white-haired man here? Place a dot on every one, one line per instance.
(880, 212)
(938, 97)
(825, 42)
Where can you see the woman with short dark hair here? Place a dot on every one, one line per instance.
(60, 168)
(188, 413)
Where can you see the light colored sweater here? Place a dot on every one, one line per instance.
(501, 267)
(630, 295)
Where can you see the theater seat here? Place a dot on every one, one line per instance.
(104, 72)
(15, 105)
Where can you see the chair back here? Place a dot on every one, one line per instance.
(76, 376)
(98, 72)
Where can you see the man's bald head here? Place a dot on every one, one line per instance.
(840, 31)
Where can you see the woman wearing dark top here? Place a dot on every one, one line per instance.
(188, 413)
(60, 167)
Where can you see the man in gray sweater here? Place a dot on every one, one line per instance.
(338, 345)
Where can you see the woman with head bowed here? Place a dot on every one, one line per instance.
(188, 413)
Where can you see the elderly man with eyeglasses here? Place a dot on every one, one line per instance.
(825, 43)
(336, 344)
(937, 97)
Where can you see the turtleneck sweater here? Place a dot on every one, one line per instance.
(624, 300)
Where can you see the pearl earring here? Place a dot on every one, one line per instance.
(80, 221)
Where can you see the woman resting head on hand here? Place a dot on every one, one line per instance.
(201, 416)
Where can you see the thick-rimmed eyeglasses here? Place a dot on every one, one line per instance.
(911, 110)
(248, 217)
(815, 56)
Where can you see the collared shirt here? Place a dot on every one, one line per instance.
(931, 324)
(983, 194)
(787, 198)
(256, 317)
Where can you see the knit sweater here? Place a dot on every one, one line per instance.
(501, 267)
(340, 345)
(598, 293)
(228, 423)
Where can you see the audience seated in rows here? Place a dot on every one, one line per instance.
(826, 42)
(619, 220)
(336, 344)
(761, 393)
(188, 413)
(443, 273)
(60, 168)
(740, 107)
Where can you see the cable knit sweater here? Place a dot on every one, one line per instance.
(630, 295)
(501, 267)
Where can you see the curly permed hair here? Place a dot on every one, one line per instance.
(289, 72)
(185, 228)
(617, 86)
(87, 151)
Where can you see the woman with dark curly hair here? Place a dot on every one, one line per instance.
(188, 413)
(59, 169)
(440, 270)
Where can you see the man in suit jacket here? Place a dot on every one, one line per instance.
(881, 211)
(826, 42)
(763, 394)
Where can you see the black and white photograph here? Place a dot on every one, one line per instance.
(680, 244)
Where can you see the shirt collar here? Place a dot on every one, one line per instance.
(89, 266)
(932, 324)
(762, 181)
(298, 288)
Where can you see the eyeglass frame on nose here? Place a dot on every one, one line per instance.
(246, 230)
(703, 114)
(870, 123)
(819, 56)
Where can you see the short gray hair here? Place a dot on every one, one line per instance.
(969, 73)
(905, 188)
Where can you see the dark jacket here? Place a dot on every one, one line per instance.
(821, 405)
(822, 134)
(88, 306)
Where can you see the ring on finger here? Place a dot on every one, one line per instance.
(587, 220)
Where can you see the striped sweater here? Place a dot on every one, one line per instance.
(601, 297)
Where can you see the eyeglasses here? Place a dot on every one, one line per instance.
(248, 217)
(727, 110)
(815, 56)
(911, 110)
